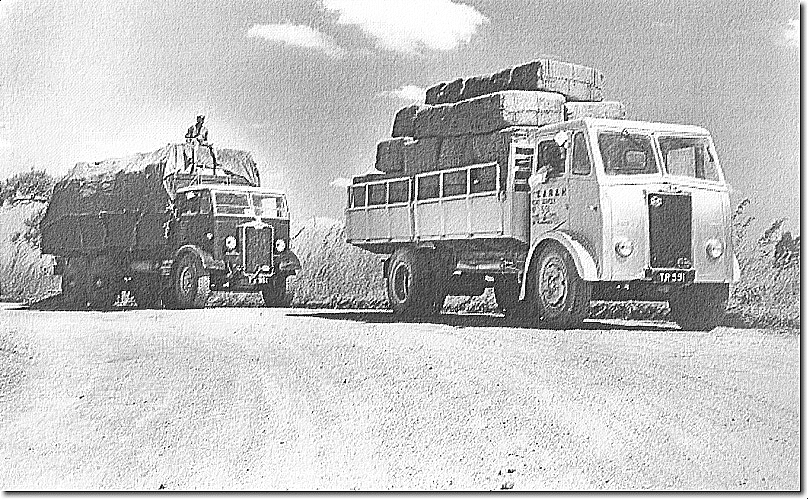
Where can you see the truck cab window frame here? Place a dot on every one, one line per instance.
(625, 153)
(581, 158)
(689, 157)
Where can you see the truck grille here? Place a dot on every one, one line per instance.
(670, 230)
(257, 247)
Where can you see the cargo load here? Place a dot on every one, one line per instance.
(137, 187)
(574, 81)
(612, 110)
(488, 113)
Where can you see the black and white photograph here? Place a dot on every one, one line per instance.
(400, 245)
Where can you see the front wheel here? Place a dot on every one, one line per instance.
(562, 297)
(699, 307)
(274, 293)
(190, 282)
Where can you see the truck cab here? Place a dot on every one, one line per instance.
(238, 234)
(638, 210)
(558, 216)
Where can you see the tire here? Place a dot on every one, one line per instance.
(411, 285)
(562, 297)
(699, 307)
(74, 282)
(274, 294)
(104, 282)
(147, 292)
(190, 283)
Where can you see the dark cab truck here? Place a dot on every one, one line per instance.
(170, 229)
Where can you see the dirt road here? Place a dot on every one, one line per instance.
(297, 399)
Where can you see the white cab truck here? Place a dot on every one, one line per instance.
(590, 209)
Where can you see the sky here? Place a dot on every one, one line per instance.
(310, 86)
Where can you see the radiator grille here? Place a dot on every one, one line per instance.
(670, 230)
(258, 247)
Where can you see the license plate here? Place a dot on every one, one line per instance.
(672, 276)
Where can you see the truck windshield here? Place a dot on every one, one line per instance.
(251, 204)
(689, 157)
(626, 153)
(270, 206)
(232, 203)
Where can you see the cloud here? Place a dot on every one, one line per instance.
(4, 144)
(411, 93)
(410, 26)
(341, 182)
(297, 35)
(791, 33)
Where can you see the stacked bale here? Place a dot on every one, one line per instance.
(473, 120)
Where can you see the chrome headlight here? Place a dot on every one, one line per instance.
(624, 247)
(280, 245)
(715, 249)
(230, 243)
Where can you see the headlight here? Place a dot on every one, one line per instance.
(230, 243)
(280, 245)
(624, 247)
(715, 249)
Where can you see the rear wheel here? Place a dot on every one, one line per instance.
(74, 282)
(147, 292)
(562, 297)
(274, 293)
(411, 284)
(190, 282)
(699, 307)
(104, 282)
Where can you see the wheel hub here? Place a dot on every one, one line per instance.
(553, 283)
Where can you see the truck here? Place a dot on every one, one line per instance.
(170, 227)
(565, 213)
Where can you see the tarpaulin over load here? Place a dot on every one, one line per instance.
(124, 202)
(573, 81)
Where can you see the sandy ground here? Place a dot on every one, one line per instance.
(296, 399)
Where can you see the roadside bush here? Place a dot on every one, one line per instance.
(768, 294)
(34, 185)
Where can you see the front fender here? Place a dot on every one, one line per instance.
(287, 263)
(584, 263)
(208, 262)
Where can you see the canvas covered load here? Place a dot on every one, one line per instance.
(574, 81)
(124, 202)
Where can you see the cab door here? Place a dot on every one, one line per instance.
(549, 189)
(585, 216)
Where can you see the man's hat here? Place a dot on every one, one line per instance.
(202, 116)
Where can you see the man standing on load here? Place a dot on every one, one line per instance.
(197, 135)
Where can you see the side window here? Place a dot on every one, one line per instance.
(358, 196)
(483, 179)
(204, 203)
(581, 164)
(429, 187)
(190, 205)
(399, 191)
(377, 194)
(454, 183)
(552, 157)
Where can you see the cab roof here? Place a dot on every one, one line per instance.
(631, 125)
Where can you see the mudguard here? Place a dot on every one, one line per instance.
(287, 263)
(584, 263)
(208, 262)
